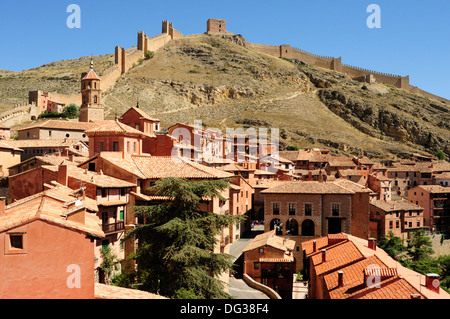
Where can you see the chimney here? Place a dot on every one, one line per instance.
(314, 246)
(2, 205)
(372, 243)
(432, 282)
(340, 279)
(324, 255)
(62, 175)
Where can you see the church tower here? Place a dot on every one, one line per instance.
(91, 97)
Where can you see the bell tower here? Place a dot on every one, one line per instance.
(91, 97)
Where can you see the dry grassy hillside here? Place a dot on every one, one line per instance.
(61, 77)
(224, 84)
(227, 85)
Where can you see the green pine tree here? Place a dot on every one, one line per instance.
(420, 247)
(392, 245)
(175, 251)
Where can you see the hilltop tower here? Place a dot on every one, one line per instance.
(91, 96)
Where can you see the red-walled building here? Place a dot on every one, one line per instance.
(48, 249)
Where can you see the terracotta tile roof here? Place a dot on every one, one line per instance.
(103, 291)
(308, 187)
(415, 279)
(435, 188)
(156, 167)
(57, 143)
(355, 187)
(68, 195)
(44, 207)
(91, 75)
(94, 178)
(113, 126)
(270, 239)
(392, 288)
(63, 125)
(395, 205)
(337, 256)
(341, 161)
(353, 278)
(141, 113)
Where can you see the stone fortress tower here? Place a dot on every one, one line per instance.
(91, 97)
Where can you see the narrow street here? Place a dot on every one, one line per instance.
(238, 288)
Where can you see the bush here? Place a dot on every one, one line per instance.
(292, 148)
(364, 87)
(148, 55)
(440, 155)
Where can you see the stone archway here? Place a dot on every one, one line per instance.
(277, 225)
(308, 228)
(291, 227)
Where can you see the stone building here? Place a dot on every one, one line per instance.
(435, 200)
(269, 259)
(305, 210)
(401, 217)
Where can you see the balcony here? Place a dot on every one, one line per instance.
(113, 228)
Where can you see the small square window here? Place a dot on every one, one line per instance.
(261, 250)
(256, 265)
(16, 241)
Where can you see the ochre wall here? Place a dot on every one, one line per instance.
(43, 271)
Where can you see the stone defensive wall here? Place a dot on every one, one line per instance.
(125, 59)
(332, 63)
(19, 114)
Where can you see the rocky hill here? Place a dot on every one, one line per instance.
(225, 84)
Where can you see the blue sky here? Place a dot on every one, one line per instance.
(414, 38)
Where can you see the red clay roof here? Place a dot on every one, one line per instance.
(337, 256)
(44, 207)
(307, 187)
(91, 75)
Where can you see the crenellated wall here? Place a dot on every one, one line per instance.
(332, 63)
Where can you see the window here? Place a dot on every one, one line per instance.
(122, 192)
(95, 98)
(261, 250)
(308, 209)
(137, 126)
(335, 209)
(121, 215)
(104, 192)
(390, 224)
(276, 209)
(15, 243)
(418, 223)
(49, 133)
(397, 224)
(134, 147)
(255, 265)
(91, 167)
(128, 147)
(100, 146)
(291, 209)
(115, 146)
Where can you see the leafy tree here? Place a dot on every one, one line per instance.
(109, 264)
(420, 246)
(292, 148)
(392, 245)
(72, 111)
(175, 254)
